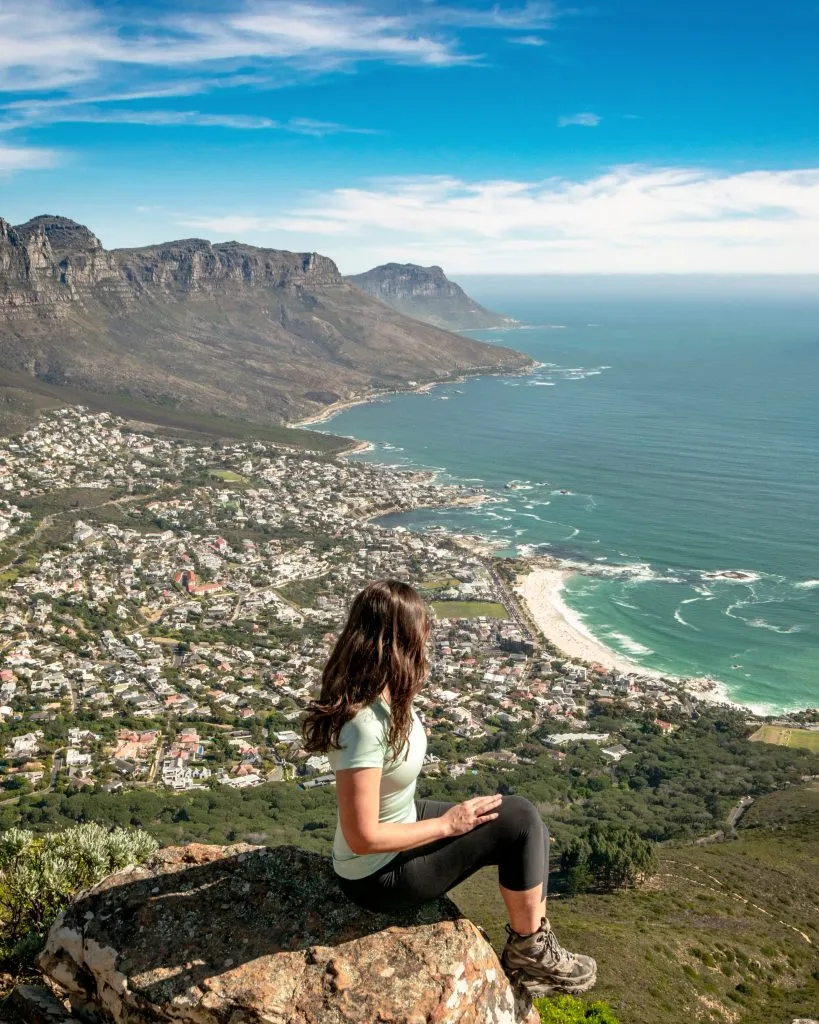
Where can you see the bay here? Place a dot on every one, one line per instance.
(671, 432)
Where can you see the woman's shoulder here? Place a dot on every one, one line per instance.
(371, 720)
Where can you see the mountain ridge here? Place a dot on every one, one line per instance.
(227, 328)
(427, 294)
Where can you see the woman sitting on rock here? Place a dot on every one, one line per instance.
(392, 851)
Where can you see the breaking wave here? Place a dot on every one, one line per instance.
(630, 644)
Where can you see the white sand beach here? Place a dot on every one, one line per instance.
(357, 449)
(541, 590)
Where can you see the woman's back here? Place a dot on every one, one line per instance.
(363, 743)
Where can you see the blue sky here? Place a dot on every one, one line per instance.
(626, 135)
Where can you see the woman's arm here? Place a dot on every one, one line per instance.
(358, 793)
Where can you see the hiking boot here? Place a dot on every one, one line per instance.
(539, 964)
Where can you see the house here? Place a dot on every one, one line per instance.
(319, 780)
(560, 739)
(317, 763)
(244, 781)
(25, 746)
(614, 753)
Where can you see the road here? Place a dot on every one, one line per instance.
(737, 811)
(160, 747)
(56, 765)
(734, 815)
(506, 596)
(73, 693)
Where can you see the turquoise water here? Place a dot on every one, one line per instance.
(684, 425)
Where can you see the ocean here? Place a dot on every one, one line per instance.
(670, 434)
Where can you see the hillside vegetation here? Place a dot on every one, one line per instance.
(724, 933)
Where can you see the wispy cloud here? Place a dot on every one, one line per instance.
(62, 44)
(308, 126)
(630, 219)
(78, 114)
(26, 158)
(524, 16)
(39, 108)
(528, 40)
(585, 120)
(84, 62)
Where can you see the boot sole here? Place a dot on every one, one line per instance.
(536, 988)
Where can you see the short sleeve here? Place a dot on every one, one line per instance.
(363, 743)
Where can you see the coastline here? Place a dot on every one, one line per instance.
(349, 403)
(411, 389)
(330, 411)
(357, 449)
(541, 589)
(559, 624)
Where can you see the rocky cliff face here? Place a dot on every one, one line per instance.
(244, 934)
(229, 328)
(57, 261)
(427, 294)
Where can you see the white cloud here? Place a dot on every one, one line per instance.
(26, 115)
(526, 16)
(585, 120)
(528, 40)
(38, 109)
(630, 219)
(165, 118)
(25, 158)
(80, 61)
(62, 44)
(309, 126)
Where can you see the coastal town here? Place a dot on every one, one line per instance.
(167, 605)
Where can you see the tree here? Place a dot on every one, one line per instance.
(612, 855)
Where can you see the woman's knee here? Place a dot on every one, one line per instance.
(519, 816)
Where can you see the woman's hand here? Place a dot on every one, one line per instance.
(468, 815)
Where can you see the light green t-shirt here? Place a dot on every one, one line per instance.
(363, 743)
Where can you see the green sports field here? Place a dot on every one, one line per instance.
(785, 737)
(440, 584)
(228, 476)
(469, 609)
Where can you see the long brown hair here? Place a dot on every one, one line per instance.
(383, 644)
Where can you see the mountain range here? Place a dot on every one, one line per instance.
(259, 334)
(427, 294)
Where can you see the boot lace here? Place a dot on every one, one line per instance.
(557, 951)
(550, 944)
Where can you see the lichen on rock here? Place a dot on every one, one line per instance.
(210, 935)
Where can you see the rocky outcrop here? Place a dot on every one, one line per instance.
(32, 1004)
(209, 935)
(226, 329)
(427, 294)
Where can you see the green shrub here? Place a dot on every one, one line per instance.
(568, 1010)
(39, 874)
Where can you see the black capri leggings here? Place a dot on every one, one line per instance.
(517, 841)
